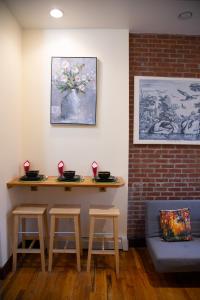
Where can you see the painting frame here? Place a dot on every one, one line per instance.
(166, 110)
(73, 90)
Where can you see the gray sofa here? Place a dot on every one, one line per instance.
(182, 256)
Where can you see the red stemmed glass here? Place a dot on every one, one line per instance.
(26, 166)
(61, 168)
(94, 168)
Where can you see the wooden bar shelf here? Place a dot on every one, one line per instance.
(51, 181)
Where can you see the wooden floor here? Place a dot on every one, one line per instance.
(137, 280)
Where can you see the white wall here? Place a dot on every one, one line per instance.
(10, 129)
(107, 142)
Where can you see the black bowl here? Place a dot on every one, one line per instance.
(69, 174)
(104, 174)
(33, 173)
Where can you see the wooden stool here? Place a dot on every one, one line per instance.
(104, 213)
(24, 212)
(65, 213)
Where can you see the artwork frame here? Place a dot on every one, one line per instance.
(73, 90)
(166, 110)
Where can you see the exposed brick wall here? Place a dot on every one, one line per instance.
(161, 171)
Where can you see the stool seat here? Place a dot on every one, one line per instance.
(29, 210)
(104, 211)
(65, 212)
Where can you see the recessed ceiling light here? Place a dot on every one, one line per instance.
(185, 15)
(56, 13)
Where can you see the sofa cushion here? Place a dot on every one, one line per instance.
(175, 224)
(174, 257)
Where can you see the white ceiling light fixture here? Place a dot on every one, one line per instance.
(56, 13)
(185, 15)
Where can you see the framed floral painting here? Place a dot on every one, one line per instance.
(73, 90)
(166, 110)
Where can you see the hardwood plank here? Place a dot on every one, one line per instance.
(37, 287)
(82, 286)
(16, 282)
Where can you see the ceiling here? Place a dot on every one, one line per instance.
(139, 16)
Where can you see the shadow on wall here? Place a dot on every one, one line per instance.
(13, 202)
(9, 232)
(0, 251)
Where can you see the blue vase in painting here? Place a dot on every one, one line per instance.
(70, 106)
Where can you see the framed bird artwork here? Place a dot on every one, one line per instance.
(166, 110)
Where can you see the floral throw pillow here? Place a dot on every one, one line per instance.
(175, 225)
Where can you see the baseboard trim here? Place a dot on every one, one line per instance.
(6, 269)
(136, 242)
(122, 243)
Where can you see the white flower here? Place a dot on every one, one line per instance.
(84, 77)
(64, 78)
(92, 76)
(77, 78)
(82, 88)
(65, 65)
(75, 70)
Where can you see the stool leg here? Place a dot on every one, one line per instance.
(115, 229)
(15, 241)
(91, 232)
(79, 224)
(52, 232)
(77, 238)
(41, 239)
(46, 232)
(23, 234)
